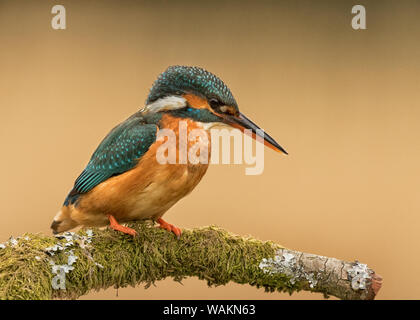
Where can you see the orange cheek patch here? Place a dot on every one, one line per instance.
(196, 101)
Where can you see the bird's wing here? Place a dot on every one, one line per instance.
(118, 152)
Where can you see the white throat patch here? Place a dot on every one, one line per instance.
(164, 104)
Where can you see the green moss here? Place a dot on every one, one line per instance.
(209, 253)
(22, 276)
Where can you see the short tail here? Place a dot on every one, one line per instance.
(62, 221)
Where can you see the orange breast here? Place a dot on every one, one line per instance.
(146, 191)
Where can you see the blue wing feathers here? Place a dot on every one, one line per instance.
(118, 152)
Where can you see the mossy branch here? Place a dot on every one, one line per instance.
(42, 267)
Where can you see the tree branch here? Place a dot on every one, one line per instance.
(71, 265)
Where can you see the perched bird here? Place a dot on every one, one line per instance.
(123, 180)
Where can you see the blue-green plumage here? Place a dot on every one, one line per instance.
(183, 79)
(117, 153)
(201, 115)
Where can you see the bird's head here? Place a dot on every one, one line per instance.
(194, 93)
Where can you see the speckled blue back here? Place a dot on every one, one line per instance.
(182, 79)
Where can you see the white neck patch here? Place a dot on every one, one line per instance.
(166, 103)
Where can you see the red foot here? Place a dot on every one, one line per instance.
(169, 227)
(116, 226)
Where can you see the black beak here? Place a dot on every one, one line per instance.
(242, 122)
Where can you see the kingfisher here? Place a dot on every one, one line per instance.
(123, 181)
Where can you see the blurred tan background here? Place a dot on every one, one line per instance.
(343, 103)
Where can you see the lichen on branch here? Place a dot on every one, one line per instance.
(68, 266)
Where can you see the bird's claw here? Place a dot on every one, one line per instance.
(116, 226)
(170, 227)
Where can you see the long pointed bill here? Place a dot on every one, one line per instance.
(242, 122)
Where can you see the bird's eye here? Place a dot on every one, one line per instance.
(214, 104)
